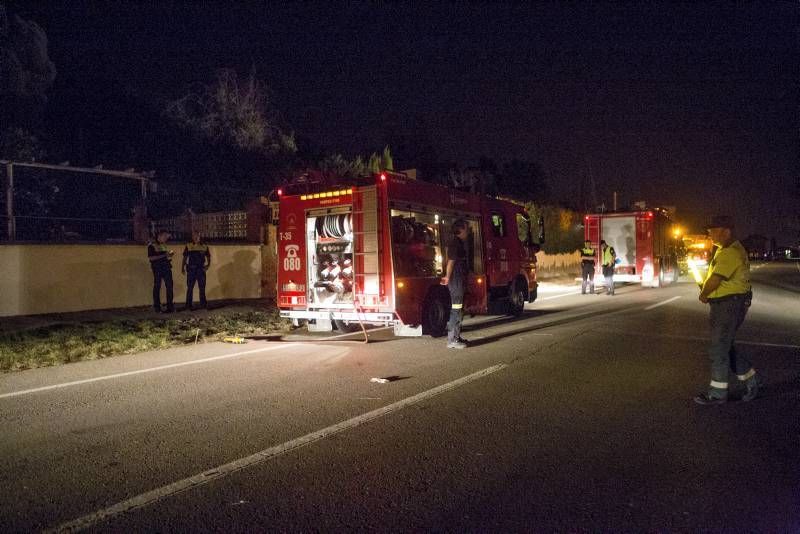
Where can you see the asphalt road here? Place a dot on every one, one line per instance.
(576, 416)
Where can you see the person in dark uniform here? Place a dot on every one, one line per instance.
(161, 263)
(456, 281)
(196, 260)
(587, 267)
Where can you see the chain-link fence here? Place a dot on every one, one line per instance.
(58, 203)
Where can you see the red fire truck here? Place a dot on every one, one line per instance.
(645, 247)
(373, 250)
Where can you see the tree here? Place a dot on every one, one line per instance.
(562, 228)
(20, 144)
(336, 165)
(386, 159)
(233, 114)
(523, 180)
(26, 72)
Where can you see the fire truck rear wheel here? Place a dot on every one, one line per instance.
(436, 312)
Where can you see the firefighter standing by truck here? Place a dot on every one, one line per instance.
(727, 291)
(587, 267)
(456, 281)
(196, 260)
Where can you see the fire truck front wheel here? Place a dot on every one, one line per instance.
(518, 294)
(436, 312)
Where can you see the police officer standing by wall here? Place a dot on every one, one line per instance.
(608, 257)
(456, 281)
(727, 291)
(587, 267)
(196, 260)
(161, 263)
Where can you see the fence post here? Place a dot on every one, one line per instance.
(141, 230)
(256, 221)
(12, 227)
(269, 263)
(188, 224)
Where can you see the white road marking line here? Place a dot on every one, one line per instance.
(140, 371)
(698, 338)
(662, 303)
(559, 296)
(216, 473)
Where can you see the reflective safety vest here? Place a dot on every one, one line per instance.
(587, 254)
(608, 256)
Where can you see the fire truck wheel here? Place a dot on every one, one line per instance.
(661, 273)
(436, 312)
(347, 326)
(517, 297)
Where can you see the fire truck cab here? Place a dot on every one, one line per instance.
(373, 251)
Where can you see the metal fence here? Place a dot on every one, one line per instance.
(218, 226)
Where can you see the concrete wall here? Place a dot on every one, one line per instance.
(61, 278)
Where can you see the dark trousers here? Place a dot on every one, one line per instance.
(195, 275)
(608, 274)
(587, 276)
(726, 317)
(158, 276)
(457, 287)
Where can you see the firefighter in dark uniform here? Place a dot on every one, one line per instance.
(456, 281)
(587, 267)
(196, 260)
(161, 263)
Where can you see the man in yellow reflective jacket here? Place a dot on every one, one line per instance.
(608, 257)
(727, 291)
(196, 260)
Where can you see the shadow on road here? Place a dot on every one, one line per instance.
(533, 328)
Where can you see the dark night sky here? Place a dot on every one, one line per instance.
(686, 104)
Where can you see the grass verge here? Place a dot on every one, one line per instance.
(72, 342)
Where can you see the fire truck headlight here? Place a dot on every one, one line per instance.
(401, 285)
(479, 280)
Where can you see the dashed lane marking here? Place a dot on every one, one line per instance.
(217, 473)
(662, 303)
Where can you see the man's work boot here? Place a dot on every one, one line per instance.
(456, 345)
(712, 396)
(753, 385)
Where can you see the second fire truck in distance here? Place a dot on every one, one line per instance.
(646, 250)
(373, 251)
